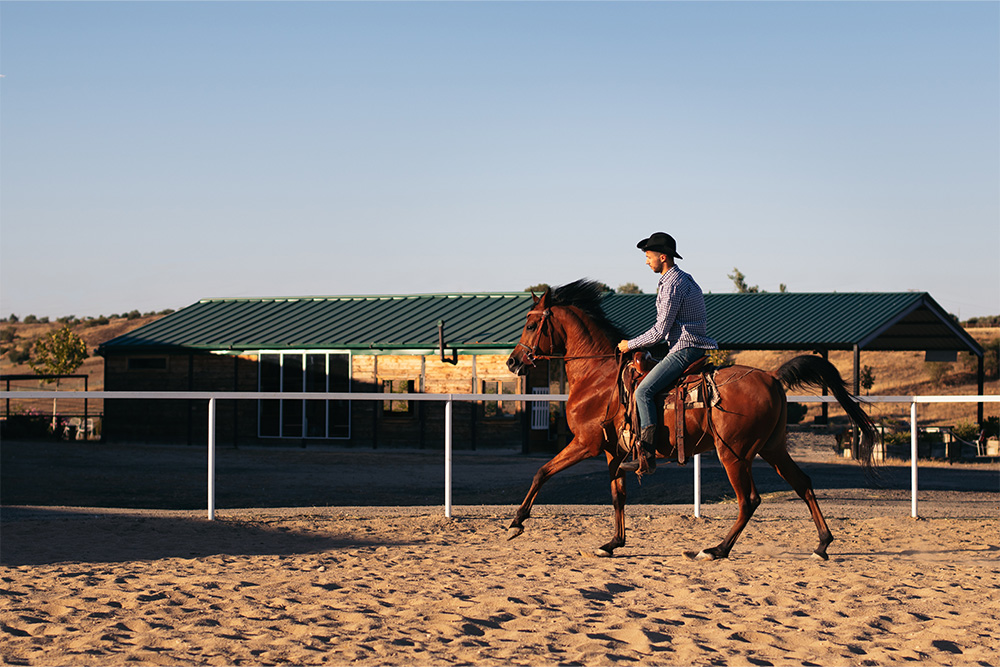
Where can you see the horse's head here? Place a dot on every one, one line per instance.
(536, 337)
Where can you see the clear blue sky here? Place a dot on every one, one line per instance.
(157, 153)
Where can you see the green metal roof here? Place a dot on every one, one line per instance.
(794, 321)
(872, 321)
(358, 322)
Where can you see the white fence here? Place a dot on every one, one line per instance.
(449, 401)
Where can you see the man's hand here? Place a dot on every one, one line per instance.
(623, 346)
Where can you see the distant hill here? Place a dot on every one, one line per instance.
(25, 335)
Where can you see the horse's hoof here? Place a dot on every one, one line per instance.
(701, 555)
(514, 531)
(820, 556)
(603, 553)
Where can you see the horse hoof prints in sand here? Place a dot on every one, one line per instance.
(748, 417)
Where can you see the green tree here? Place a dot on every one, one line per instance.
(973, 322)
(740, 282)
(629, 288)
(991, 359)
(60, 352)
(867, 378)
(540, 288)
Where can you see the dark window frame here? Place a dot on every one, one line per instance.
(147, 364)
(272, 420)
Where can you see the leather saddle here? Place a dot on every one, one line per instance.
(690, 391)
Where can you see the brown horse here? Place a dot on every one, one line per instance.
(750, 418)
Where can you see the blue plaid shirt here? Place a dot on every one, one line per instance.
(681, 319)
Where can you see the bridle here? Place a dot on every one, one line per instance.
(532, 353)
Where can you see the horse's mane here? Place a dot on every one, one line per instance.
(587, 295)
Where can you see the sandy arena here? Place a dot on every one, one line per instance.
(384, 585)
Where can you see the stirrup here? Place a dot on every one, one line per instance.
(645, 464)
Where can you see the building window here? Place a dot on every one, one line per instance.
(499, 409)
(397, 407)
(309, 372)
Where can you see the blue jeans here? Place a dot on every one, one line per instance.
(663, 375)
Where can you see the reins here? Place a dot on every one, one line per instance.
(573, 358)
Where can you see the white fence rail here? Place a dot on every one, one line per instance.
(449, 399)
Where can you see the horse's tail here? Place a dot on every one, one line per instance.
(818, 372)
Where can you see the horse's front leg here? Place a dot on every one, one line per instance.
(618, 502)
(578, 449)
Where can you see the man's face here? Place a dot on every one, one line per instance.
(655, 260)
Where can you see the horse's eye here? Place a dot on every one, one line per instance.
(531, 326)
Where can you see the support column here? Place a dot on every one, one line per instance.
(856, 390)
(211, 459)
(981, 374)
(913, 460)
(448, 410)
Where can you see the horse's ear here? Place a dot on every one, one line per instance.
(544, 298)
(534, 298)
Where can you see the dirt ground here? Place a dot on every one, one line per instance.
(345, 557)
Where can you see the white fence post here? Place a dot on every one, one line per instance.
(449, 399)
(697, 486)
(211, 459)
(447, 455)
(913, 459)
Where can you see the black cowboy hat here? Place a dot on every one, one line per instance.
(660, 242)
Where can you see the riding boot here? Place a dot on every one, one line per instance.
(647, 463)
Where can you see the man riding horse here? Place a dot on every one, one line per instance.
(681, 322)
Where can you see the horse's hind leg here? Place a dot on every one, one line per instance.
(778, 457)
(748, 499)
(618, 502)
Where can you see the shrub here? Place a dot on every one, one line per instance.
(720, 358)
(896, 438)
(7, 335)
(936, 370)
(967, 431)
